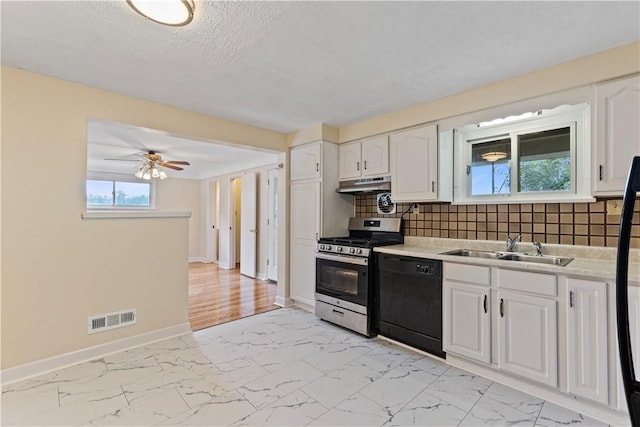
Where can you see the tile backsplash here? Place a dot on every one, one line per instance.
(586, 224)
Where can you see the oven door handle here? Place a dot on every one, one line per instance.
(345, 259)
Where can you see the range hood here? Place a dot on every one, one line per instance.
(365, 185)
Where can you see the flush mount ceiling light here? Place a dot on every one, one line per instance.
(175, 13)
(492, 156)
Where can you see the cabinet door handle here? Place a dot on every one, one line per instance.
(317, 167)
(484, 303)
(433, 186)
(600, 169)
(571, 299)
(365, 165)
(317, 236)
(358, 166)
(501, 307)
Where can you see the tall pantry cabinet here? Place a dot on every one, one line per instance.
(316, 211)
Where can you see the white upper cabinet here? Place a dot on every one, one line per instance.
(587, 363)
(349, 161)
(363, 159)
(617, 133)
(414, 165)
(306, 161)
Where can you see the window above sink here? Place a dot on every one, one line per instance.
(536, 157)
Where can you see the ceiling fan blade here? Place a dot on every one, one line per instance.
(177, 162)
(171, 167)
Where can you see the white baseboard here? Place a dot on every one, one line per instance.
(261, 276)
(574, 403)
(283, 302)
(200, 259)
(28, 370)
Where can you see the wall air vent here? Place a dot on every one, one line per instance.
(105, 322)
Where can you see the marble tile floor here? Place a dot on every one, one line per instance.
(281, 368)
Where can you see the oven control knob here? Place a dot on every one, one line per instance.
(321, 247)
(339, 249)
(328, 247)
(359, 251)
(351, 250)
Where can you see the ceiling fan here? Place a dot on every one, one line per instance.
(151, 163)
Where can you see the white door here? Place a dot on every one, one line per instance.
(272, 223)
(248, 215)
(214, 215)
(527, 333)
(587, 363)
(467, 321)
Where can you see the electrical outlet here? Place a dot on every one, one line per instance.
(614, 207)
(416, 209)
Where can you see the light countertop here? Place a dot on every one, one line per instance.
(598, 263)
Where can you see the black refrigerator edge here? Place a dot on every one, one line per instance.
(631, 386)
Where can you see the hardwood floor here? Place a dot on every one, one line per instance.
(218, 296)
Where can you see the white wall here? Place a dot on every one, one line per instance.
(183, 195)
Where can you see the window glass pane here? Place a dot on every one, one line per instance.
(544, 162)
(99, 193)
(132, 194)
(490, 171)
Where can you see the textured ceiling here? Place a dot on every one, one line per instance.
(287, 65)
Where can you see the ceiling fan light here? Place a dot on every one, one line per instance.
(146, 175)
(155, 173)
(139, 172)
(493, 156)
(167, 12)
(163, 175)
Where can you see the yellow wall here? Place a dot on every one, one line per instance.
(58, 269)
(183, 195)
(606, 65)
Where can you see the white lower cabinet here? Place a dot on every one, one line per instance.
(587, 363)
(634, 334)
(527, 336)
(467, 323)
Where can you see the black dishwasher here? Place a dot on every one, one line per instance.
(409, 301)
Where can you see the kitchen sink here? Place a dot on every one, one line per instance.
(475, 253)
(544, 259)
(511, 256)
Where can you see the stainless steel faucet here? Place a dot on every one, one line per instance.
(538, 246)
(511, 243)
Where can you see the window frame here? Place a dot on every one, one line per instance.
(103, 176)
(576, 117)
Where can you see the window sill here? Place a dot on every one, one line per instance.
(132, 215)
(524, 200)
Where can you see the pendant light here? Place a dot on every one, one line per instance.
(175, 13)
(493, 156)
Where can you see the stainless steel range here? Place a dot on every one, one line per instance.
(345, 272)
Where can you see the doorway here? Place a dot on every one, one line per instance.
(272, 225)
